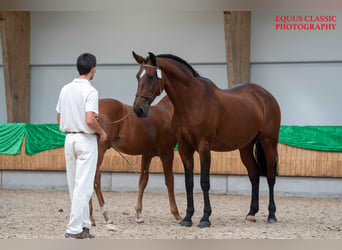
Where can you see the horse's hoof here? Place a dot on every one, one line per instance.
(272, 220)
(179, 219)
(112, 227)
(109, 222)
(140, 218)
(204, 224)
(186, 223)
(251, 218)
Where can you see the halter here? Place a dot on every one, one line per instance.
(159, 76)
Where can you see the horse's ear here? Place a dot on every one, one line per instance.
(138, 58)
(153, 58)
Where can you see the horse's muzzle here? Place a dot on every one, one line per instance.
(141, 111)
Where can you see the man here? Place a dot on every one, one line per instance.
(77, 108)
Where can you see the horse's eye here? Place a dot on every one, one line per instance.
(151, 78)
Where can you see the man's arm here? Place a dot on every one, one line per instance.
(95, 126)
(59, 118)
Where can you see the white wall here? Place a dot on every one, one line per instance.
(271, 45)
(307, 90)
(301, 68)
(57, 38)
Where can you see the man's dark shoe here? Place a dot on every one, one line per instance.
(73, 236)
(82, 235)
(86, 234)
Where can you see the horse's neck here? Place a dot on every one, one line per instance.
(166, 104)
(180, 86)
(183, 94)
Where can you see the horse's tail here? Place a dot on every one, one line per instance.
(259, 156)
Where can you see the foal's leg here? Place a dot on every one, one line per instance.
(91, 212)
(144, 174)
(188, 162)
(270, 149)
(97, 186)
(167, 161)
(248, 160)
(205, 159)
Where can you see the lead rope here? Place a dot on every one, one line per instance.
(116, 149)
(127, 161)
(123, 118)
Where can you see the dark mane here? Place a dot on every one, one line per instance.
(178, 59)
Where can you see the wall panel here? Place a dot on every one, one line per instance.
(292, 162)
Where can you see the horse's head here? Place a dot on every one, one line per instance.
(150, 85)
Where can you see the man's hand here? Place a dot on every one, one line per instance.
(103, 136)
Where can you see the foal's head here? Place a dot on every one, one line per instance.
(150, 86)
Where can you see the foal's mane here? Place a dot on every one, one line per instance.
(180, 60)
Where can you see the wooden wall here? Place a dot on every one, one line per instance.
(292, 162)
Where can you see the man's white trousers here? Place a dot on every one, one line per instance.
(81, 159)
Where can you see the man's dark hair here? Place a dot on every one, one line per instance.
(85, 63)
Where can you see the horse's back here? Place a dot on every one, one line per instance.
(263, 100)
(247, 109)
(133, 135)
(254, 93)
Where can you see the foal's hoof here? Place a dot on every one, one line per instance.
(140, 218)
(186, 223)
(272, 220)
(251, 218)
(204, 224)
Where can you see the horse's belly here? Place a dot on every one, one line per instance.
(232, 141)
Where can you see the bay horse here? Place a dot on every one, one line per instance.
(149, 137)
(245, 117)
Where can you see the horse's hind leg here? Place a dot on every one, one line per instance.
(167, 161)
(144, 175)
(270, 151)
(248, 160)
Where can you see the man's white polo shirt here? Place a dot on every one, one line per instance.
(75, 99)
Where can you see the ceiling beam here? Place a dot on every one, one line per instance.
(15, 43)
(237, 25)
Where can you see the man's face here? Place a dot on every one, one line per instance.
(92, 73)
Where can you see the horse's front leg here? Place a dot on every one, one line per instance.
(91, 212)
(167, 160)
(103, 207)
(205, 159)
(97, 184)
(144, 175)
(188, 162)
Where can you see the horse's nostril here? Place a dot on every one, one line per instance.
(139, 112)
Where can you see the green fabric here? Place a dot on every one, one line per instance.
(322, 138)
(41, 137)
(11, 138)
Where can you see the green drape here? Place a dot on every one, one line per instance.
(11, 138)
(40, 137)
(322, 138)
